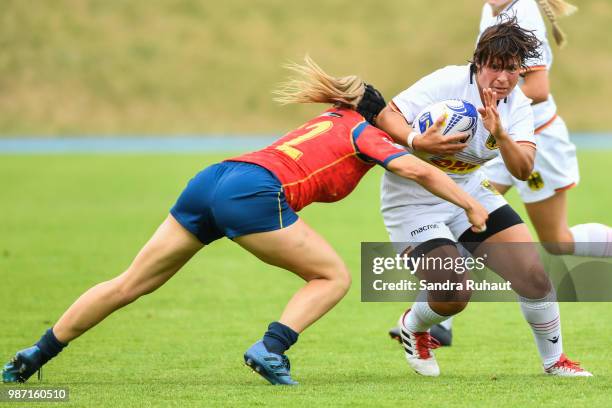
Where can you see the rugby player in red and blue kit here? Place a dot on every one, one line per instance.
(253, 199)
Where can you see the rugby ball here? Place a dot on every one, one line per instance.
(460, 117)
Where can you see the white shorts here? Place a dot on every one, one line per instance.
(555, 168)
(411, 224)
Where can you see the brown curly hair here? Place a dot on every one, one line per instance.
(505, 43)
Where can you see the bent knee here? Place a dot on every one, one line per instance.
(557, 242)
(337, 274)
(559, 248)
(343, 278)
(536, 287)
(541, 283)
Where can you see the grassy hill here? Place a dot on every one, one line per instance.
(187, 66)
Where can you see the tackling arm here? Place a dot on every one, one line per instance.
(437, 182)
(394, 124)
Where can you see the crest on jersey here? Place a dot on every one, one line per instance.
(487, 184)
(535, 181)
(491, 143)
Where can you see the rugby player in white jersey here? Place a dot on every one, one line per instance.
(431, 227)
(556, 166)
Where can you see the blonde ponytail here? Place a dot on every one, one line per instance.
(316, 86)
(553, 9)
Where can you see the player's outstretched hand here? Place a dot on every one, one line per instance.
(489, 113)
(477, 215)
(434, 142)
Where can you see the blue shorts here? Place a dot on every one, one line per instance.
(232, 199)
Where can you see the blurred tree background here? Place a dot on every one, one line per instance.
(79, 67)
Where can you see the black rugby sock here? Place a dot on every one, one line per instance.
(279, 338)
(49, 345)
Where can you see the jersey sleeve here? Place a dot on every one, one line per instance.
(486, 18)
(530, 18)
(521, 124)
(374, 145)
(423, 93)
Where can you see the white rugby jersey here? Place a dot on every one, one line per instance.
(456, 82)
(528, 17)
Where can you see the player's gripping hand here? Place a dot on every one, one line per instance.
(434, 142)
(478, 216)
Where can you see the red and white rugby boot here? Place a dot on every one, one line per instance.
(417, 348)
(565, 367)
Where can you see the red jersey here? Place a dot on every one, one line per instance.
(324, 160)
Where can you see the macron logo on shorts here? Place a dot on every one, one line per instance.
(423, 228)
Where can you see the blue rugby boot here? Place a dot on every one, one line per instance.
(21, 367)
(271, 366)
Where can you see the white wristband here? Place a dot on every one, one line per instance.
(410, 139)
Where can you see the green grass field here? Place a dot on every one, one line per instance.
(68, 222)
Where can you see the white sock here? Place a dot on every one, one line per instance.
(543, 317)
(421, 317)
(447, 324)
(592, 240)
